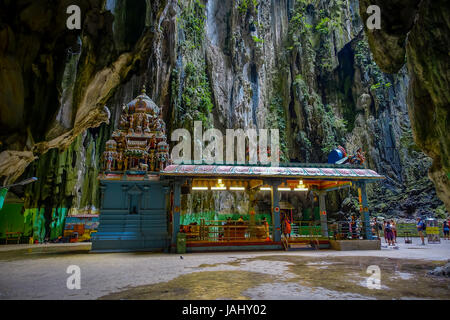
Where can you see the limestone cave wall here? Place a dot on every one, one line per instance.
(303, 66)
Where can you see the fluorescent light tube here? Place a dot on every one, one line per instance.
(218, 188)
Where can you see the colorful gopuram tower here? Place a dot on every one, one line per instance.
(133, 213)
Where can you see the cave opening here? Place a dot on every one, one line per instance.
(255, 92)
(346, 74)
(134, 21)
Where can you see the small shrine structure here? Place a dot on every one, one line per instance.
(133, 199)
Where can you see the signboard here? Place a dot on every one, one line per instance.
(81, 226)
(432, 230)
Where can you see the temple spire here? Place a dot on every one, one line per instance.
(143, 89)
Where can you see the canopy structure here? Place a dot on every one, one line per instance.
(318, 178)
(333, 173)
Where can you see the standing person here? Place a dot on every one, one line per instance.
(287, 228)
(375, 228)
(227, 229)
(420, 228)
(389, 233)
(446, 229)
(380, 228)
(394, 230)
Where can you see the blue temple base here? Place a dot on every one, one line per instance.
(133, 217)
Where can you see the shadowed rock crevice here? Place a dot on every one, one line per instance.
(418, 32)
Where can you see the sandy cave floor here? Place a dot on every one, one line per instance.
(39, 272)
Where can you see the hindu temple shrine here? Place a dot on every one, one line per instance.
(142, 191)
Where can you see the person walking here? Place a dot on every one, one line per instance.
(389, 233)
(287, 228)
(375, 228)
(446, 229)
(420, 229)
(394, 230)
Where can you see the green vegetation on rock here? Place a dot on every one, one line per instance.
(191, 91)
(245, 5)
(193, 23)
(277, 119)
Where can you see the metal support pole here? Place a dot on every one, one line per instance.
(323, 214)
(276, 211)
(364, 210)
(176, 211)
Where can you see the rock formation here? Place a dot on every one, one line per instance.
(418, 33)
(302, 66)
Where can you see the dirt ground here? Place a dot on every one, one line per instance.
(40, 272)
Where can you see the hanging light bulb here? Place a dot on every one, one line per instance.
(219, 186)
(300, 186)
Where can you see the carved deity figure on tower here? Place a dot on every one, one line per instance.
(140, 142)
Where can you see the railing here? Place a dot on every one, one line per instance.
(346, 230)
(306, 229)
(223, 230)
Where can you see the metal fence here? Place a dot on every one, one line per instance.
(223, 230)
(347, 230)
(306, 229)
